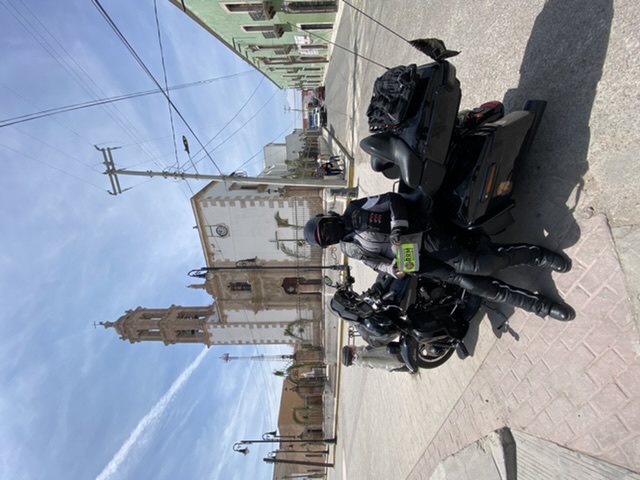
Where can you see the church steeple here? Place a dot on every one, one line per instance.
(201, 325)
(170, 325)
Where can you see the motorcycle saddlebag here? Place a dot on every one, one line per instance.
(485, 193)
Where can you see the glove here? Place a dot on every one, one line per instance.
(394, 236)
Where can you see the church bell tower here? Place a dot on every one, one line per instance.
(170, 325)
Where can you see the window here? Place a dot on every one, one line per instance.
(189, 333)
(312, 47)
(317, 26)
(258, 11)
(245, 7)
(301, 285)
(276, 61)
(311, 7)
(257, 28)
(268, 31)
(277, 49)
(239, 286)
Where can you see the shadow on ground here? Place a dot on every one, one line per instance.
(562, 64)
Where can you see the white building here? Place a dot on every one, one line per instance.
(265, 279)
(262, 272)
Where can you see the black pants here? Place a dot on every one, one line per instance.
(443, 258)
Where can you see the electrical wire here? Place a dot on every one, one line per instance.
(126, 43)
(376, 22)
(93, 169)
(166, 82)
(242, 126)
(124, 123)
(357, 55)
(52, 167)
(55, 119)
(262, 149)
(232, 118)
(78, 106)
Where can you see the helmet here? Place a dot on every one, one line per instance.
(324, 230)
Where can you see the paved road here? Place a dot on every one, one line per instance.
(575, 384)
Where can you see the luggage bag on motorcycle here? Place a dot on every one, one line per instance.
(418, 139)
(484, 195)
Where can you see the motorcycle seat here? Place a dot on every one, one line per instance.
(387, 150)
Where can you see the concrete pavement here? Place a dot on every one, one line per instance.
(574, 384)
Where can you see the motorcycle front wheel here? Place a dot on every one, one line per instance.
(432, 355)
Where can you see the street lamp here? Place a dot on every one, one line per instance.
(273, 437)
(246, 265)
(241, 448)
(308, 453)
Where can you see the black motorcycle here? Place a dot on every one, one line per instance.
(463, 163)
(421, 320)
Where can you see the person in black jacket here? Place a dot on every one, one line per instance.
(372, 228)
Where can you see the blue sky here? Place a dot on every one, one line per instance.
(76, 402)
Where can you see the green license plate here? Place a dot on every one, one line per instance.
(407, 257)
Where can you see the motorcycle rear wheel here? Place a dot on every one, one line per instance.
(429, 357)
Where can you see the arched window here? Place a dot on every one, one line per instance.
(239, 286)
(301, 286)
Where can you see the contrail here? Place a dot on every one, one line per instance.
(149, 420)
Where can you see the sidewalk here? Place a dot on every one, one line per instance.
(576, 384)
(511, 455)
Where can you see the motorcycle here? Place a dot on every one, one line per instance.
(421, 320)
(463, 162)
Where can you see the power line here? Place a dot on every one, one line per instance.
(57, 149)
(122, 38)
(94, 103)
(232, 118)
(243, 125)
(357, 55)
(52, 167)
(124, 123)
(260, 151)
(166, 82)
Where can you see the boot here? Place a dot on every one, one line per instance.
(535, 256)
(499, 292)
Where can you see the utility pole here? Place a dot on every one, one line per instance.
(110, 166)
(113, 173)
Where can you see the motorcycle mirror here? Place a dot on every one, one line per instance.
(328, 281)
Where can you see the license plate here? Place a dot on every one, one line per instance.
(408, 257)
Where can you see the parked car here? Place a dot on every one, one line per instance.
(317, 117)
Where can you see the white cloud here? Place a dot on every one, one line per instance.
(148, 421)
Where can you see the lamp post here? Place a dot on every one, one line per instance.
(308, 453)
(298, 462)
(251, 265)
(273, 437)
